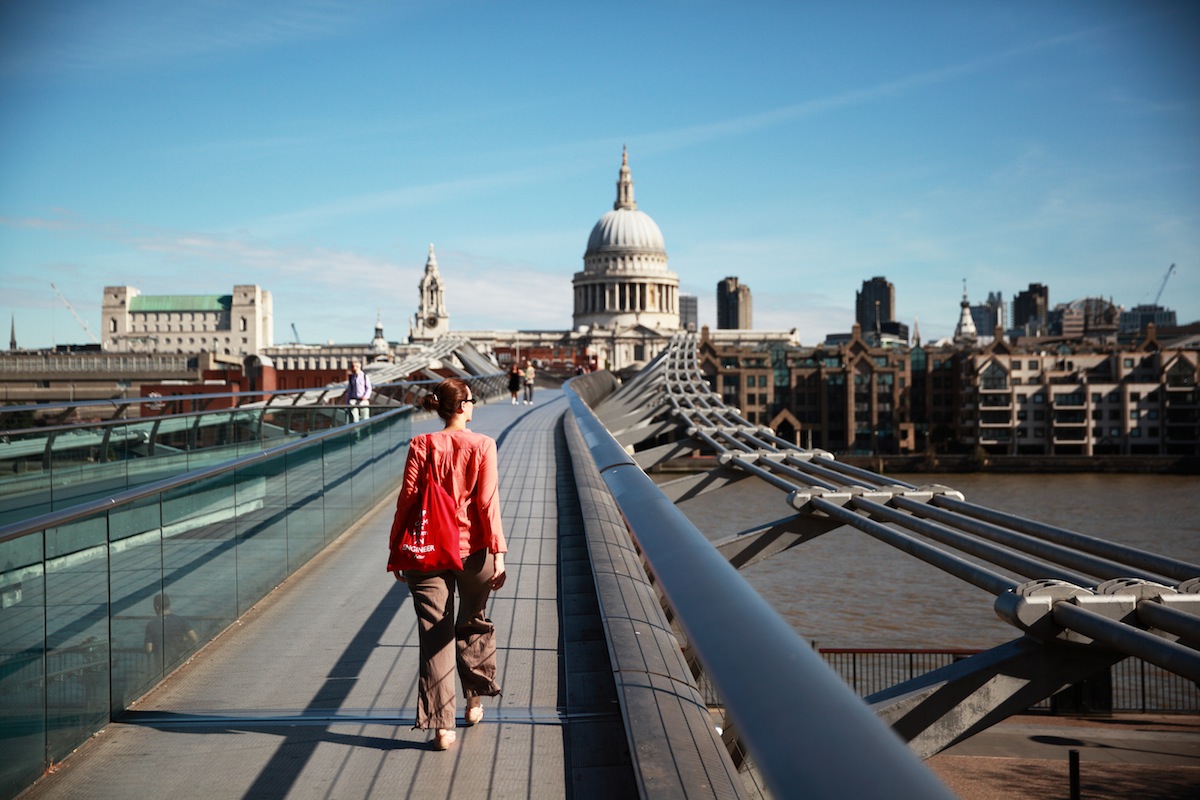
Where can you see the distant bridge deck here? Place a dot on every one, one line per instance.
(313, 693)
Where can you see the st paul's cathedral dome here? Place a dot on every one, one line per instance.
(625, 281)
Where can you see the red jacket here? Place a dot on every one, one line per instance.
(464, 463)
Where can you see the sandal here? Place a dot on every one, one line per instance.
(444, 738)
(474, 710)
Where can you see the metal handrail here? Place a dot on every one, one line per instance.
(63, 516)
(250, 396)
(801, 723)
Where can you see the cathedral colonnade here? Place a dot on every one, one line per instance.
(626, 295)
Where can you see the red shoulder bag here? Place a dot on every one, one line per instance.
(428, 540)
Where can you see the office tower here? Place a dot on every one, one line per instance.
(733, 305)
(1031, 310)
(990, 314)
(689, 312)
(875, 304)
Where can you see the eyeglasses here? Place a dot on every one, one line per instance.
(470, 400)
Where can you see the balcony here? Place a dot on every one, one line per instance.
(1069, 399)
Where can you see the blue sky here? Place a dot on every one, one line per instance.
(317, 148)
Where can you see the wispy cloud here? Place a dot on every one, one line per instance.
(554, 161)
(395, 199)
(739, 126)
(235, 253)
(106, 36)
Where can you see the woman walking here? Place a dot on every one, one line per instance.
(464, 464)
(528, 372)
(514, 382)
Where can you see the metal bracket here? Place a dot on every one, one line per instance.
(809, 455)
(741, 455)
(802, 498)
(1139, 588)
(1030, 606)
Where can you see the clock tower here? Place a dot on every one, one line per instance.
(431, 320)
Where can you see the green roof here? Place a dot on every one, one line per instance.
(181, 302)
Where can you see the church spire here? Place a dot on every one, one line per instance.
(431, 318)
(625, 184)
(965, 333)
(380, 343)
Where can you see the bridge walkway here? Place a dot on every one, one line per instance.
(313, 693)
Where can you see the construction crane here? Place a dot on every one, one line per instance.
(295, 334)
(1170, 269)
(75, 314)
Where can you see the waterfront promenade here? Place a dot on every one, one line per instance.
(313, 693)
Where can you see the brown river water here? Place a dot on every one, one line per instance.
(846, 589)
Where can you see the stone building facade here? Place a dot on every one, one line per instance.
(1000, 399)
(236, 324)
(1138, 400)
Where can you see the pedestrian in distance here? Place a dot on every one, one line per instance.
(462, 640)
(358, 392)
(529, 376)
(515, 376)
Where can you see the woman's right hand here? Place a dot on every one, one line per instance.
(498, 574)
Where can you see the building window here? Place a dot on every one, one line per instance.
(994, 377)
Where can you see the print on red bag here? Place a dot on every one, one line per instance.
(419, 548)
(429, 539)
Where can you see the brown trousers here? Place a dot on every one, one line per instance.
(466, 640)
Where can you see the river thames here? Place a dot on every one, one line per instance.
(846, 589)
